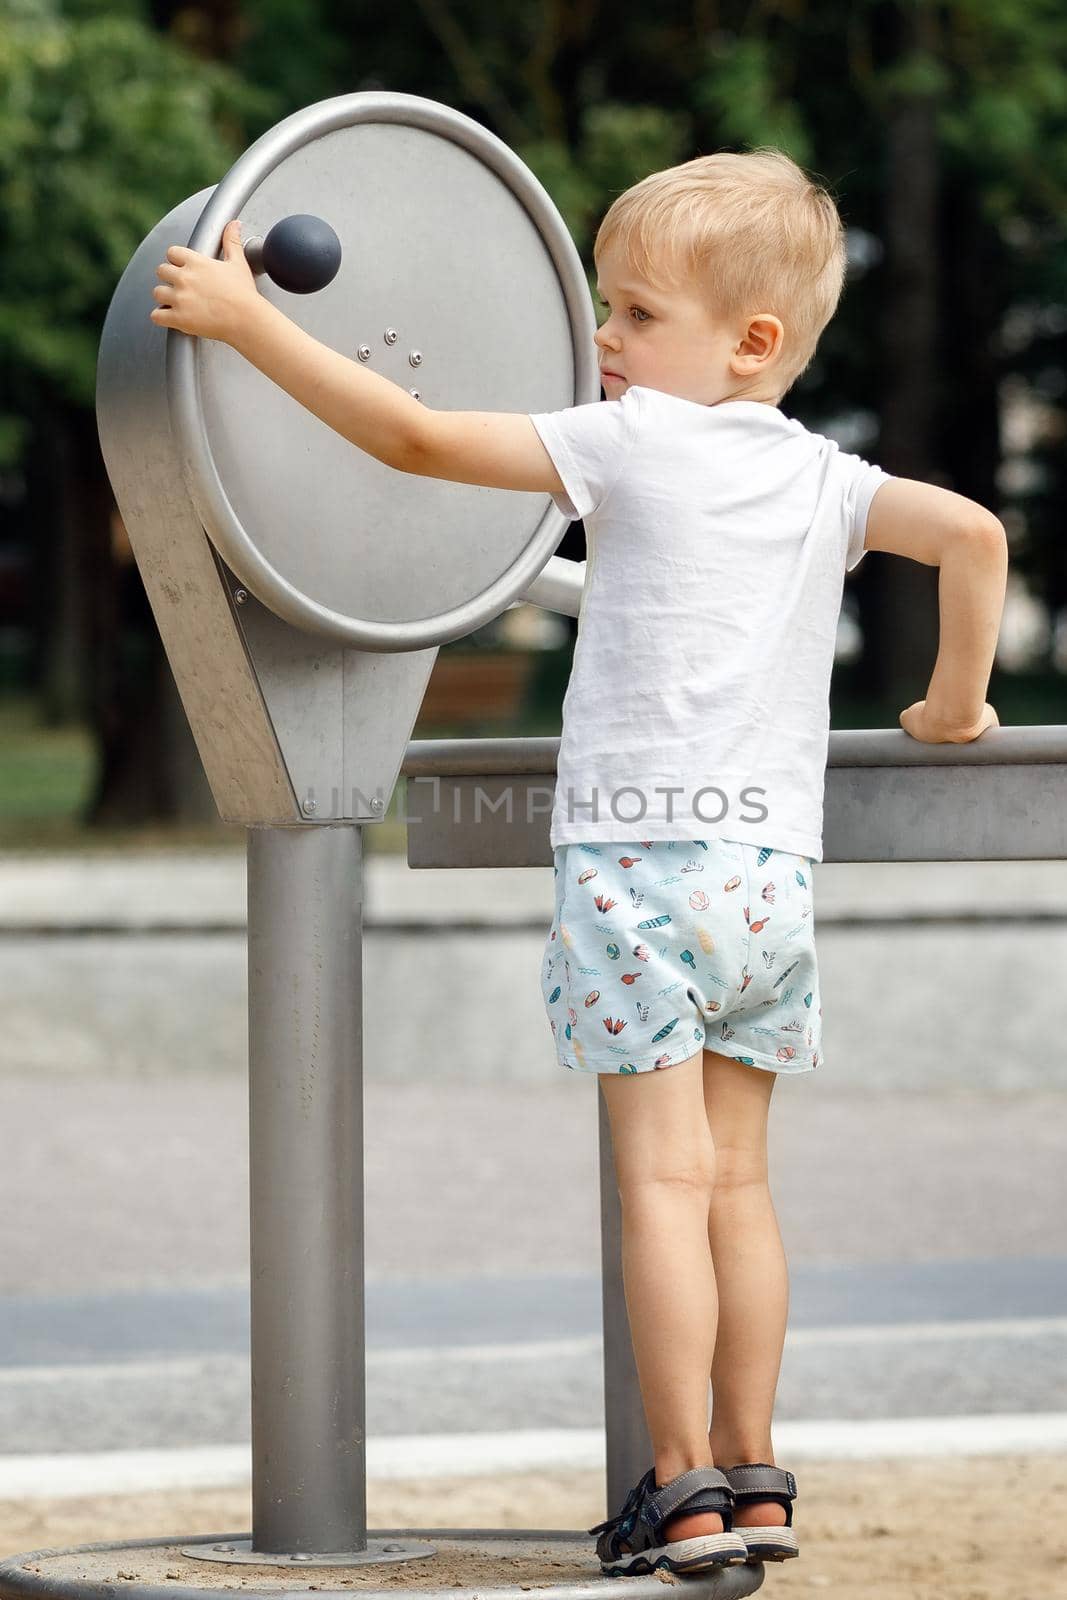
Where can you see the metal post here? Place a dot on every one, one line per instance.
(305, 1045)
(629, 1446)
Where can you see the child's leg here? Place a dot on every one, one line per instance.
(664, 1167)
(751, 1273)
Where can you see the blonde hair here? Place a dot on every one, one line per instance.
(755, 233)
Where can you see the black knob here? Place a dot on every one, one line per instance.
(300, 254)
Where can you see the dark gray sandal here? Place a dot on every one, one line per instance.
(633, 1541)
(760, 1481)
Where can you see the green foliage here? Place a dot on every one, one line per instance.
(559, 169)
(104, 127)
(739, 90)
(618, 145)
(290, 45)
(621, 143)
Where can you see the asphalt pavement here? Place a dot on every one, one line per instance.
(918, 1174)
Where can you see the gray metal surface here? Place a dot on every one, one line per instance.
(560, 587)
(629, 1447)
(375, 1552)
(317, 540)
(305, 989)
(182, 576)
(499, 1560)
(320, 639)
(283, 716)
(888, 797)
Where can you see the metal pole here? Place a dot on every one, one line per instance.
(629, 1446)
(305, 1046)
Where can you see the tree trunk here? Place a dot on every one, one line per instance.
(974, 296)
(898, 598)
(62, 576)
(106, 665)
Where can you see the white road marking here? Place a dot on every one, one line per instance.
(448, 1455)
(462, 1355)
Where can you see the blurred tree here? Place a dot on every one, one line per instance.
(103, 124)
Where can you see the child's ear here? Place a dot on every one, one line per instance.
(761, 342)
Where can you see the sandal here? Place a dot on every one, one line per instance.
(632, 1542)
(760, 1481)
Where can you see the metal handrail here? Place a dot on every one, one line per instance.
(1030, 744)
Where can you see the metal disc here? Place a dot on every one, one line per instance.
(378, 1552)
(459, 279)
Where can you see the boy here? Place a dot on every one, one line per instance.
(688, 808)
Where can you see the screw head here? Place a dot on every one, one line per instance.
(391, 336)
(417, 393)
(300, 1556)
(240, 596)
(363, 352)
(309, 806)
(415, 358)
(223, 1549)
(377, 805)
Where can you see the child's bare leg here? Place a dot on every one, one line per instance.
(664, 1167)
(751, 1273)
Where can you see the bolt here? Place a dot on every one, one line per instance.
(240, 595)
(224, 1549)
(416, 392)
(363, 352)
(415, 358)
(300, 1557)
(310, 806)
(392, 1546)
(391, 336)
(377, 805)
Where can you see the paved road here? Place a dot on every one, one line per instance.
(169, 1369)
(919, 1174)
(929, 1268)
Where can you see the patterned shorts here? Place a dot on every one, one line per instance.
(658, 950)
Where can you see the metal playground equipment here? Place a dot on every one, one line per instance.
(302, 589)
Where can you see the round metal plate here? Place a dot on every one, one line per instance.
(449, 240)
(378, 1551)
(472, 1564)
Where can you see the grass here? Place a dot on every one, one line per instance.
(48, 775)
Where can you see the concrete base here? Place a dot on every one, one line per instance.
(468, 1564)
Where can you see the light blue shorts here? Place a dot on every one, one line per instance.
(658, 950)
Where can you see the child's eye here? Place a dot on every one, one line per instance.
(643, 316)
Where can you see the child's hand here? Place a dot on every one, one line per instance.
(925, 726)
(205, 296)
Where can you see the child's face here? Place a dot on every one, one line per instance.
(668, 340)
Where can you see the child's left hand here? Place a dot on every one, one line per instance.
(205, 296)
(919, 720)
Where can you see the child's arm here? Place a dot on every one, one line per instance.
(498, 449)
(218, 299)
(968, 544)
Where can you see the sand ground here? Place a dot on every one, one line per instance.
(974, 1528)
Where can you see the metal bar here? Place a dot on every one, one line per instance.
(848, 747)
(959, 812)
(305, 1042)
(558, 587)
(629, 1445)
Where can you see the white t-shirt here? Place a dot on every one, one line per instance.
(718, 539)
